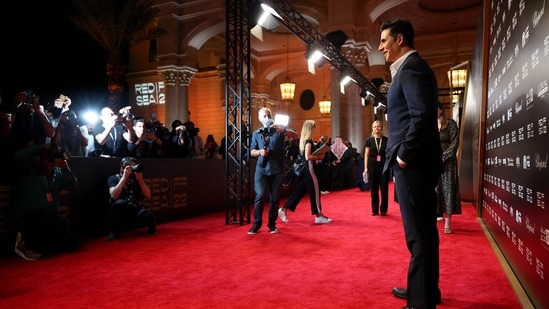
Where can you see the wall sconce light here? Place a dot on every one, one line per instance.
(287, 89)
(457, 77)
(325, 105)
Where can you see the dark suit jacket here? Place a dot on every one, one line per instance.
(412, 112)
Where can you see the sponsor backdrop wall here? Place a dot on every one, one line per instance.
(514, 183)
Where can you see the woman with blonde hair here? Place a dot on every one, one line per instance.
(374, 159)
(308, 181)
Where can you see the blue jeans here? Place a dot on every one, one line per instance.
(266, 185)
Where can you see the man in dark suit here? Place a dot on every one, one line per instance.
(414, 157)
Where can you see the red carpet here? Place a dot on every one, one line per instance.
(203, 263)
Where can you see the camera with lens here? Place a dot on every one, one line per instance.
(24, 109)
(124, 116)
(71, 118)
(193, 131)
(190, 129)
(149, 127)
(267, 131)
(138, 168)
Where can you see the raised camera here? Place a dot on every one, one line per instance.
(123, 117)
(138, 168)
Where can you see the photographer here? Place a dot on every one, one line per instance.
(148, 144)
(177, 147)
(29, 124)
(111, 138)
(70, 137)
(193, 140)
(41, 230)
(268, 145)
(60, 105)
(127, 191)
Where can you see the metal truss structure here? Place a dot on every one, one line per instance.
(301, 28)
(237, 111)
(239, 22)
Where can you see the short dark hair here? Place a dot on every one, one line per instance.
(127, 161)
(176, 123)
(400, 26)
(137, 120)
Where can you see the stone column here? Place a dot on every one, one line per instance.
(177, 82)
(350, 119)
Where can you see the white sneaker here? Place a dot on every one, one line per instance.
(440, 218)
(322, 220)
(282, 215)
(22, 251)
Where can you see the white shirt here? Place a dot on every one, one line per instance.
(396, 65)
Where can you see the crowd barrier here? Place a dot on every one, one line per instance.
(181, 188)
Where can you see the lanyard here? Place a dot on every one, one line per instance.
(378, 146)
(113, 136)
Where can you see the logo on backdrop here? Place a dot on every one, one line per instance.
(150, 93)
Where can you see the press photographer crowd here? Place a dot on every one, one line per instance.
(39, 138)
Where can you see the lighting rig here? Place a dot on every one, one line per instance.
(329, 46)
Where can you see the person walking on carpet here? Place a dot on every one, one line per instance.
(308, 181)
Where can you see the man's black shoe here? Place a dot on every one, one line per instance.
(403, 293)
(253, 231)
(400, 293)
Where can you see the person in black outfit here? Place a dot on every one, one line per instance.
(41, 230)
(374, 158)
(29, 123)
(415, 158)
(127, 191)
(111, 138)
(307, 182)
(147, 144)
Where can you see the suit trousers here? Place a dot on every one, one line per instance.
(418, 206)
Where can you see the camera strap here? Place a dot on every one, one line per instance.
(113, 136)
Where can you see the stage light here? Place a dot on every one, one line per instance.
(379, 106)
(367, 97)
(344, 81)
(263, 17)
(314, 56)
